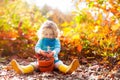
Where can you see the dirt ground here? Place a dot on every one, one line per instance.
(86, 71)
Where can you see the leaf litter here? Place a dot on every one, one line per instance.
(92, 70)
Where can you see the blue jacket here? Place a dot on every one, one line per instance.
(54, 45)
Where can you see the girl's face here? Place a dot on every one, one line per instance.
(48, 33)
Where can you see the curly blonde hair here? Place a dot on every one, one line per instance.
(48, 25)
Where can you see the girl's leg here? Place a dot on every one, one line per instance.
(22, 69)
(67, 69)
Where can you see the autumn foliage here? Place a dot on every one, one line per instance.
(92, 31)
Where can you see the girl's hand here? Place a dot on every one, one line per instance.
(43, 53)
(50, 54)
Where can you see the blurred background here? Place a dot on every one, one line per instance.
(89, 28)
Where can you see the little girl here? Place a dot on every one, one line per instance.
(48, 40)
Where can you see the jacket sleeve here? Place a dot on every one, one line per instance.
(57, 47)
(38, 46)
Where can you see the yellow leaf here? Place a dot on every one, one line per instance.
(76, 36)
(115, 27)
(65, 24)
